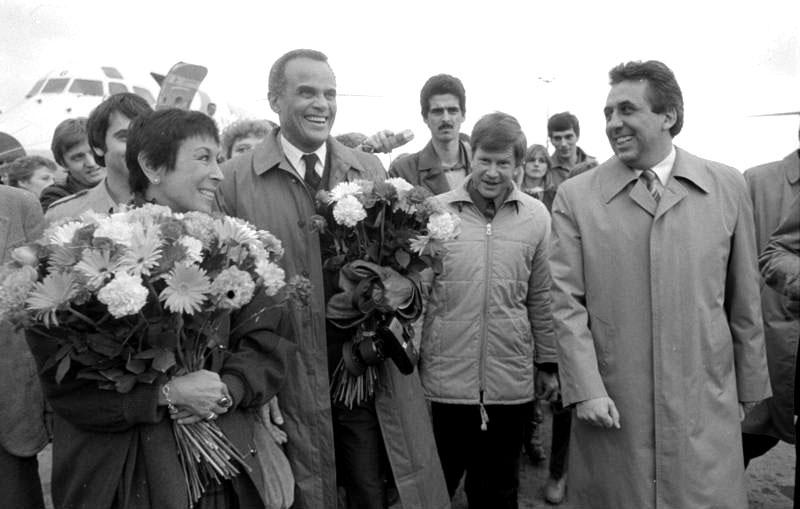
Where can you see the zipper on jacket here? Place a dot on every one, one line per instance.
(484, 346)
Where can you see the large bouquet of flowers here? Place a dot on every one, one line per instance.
(383, 235)
(139, 296)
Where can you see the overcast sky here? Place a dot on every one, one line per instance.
(523, 58)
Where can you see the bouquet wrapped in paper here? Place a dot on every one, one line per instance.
(382, 236)
(139, 296)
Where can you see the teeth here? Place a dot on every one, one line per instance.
(623, 139)
(313, 118)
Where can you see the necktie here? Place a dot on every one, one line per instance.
(312, 178)
(650, 180)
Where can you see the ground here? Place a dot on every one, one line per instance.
(770, 480)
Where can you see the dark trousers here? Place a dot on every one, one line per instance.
(559, 444)
(489, 458)
(19, 481)
(361, 462)
(754, 446)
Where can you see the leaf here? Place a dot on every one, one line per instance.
(52, 361)
(112, 374)
(136, 366)
(125, 383)
(147, 354)
(63, 368)
(163, 361)
(402, 257)
(88, 358)
(147, 377)
(88, 374)
(102, 344)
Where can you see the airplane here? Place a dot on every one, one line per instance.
(27, 126)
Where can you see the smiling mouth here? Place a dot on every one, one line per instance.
(208, 193)
(620, 140)
(316, 119)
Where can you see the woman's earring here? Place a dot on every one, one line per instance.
(156, 180)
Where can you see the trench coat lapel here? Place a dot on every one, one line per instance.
(685, 172)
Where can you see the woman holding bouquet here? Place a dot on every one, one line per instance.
(116, 449)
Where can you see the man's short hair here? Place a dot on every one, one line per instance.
(563, 121)
(439, 85)
(126, 103)
(22, 168)
(663, 90)
(157, 136)
(68, 134)
(244, 129)
(496, 132)
(277, 74)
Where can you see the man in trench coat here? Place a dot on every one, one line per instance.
(657, 311)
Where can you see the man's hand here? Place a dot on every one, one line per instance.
(273, 418)
(745, 407)
(599, 411)
(547, 386)
(385, 141)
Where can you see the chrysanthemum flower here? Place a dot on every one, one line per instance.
(234, 231)
(272, 276)
(124, 295)
(96, 266)
(187, 288)
(116, 230)
(63, 234)
(418, 244)
(232, 288)
(271, 243)
(349, 211)
(51, 295)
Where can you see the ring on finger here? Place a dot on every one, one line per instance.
(224, 402)
(211, 416)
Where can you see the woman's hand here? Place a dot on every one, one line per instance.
(200, 394)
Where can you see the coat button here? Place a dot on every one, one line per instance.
(301, 223)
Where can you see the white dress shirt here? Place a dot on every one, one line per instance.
(295, 157)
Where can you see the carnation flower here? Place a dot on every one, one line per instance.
(271, 243)
(200, 226)
(272, 276)
(187, 287)
(51, 295)
(401, 185)
(116, 230)
(443, 226)
(124, 295)
(344, 189)
(193, 247)
(349, 211)
(232, 288)
(15, 285)
(25, 255)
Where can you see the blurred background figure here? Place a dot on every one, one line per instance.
(70, 149)
(568, 159)
(535, 178)
(32, 173)
(243, 135)
(23, 432)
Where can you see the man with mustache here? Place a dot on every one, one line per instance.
(657, 311)
(444, 163)
(568, 158)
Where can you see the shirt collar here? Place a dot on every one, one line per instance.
(295, 156)
(664, 168)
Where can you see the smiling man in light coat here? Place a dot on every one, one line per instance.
(657, 311)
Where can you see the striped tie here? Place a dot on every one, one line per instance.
(650, 180)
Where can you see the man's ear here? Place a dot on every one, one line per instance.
(273, 102)
(670, 117)
(154, 175)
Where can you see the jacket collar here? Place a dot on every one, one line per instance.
(429, 160)
(615, 175)
(268, 156)
(792, 165)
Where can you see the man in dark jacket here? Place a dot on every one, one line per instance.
(70, 149)
(773, 187)
(568, 159)
(444, 163)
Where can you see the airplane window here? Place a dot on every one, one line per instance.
(116, 88)
(112, 72)
(87, 87)
(55, 86)
(35, 89)
(145, 94)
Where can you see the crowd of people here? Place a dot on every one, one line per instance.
(624, 294)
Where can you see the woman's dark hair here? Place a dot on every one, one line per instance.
(158, 135)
